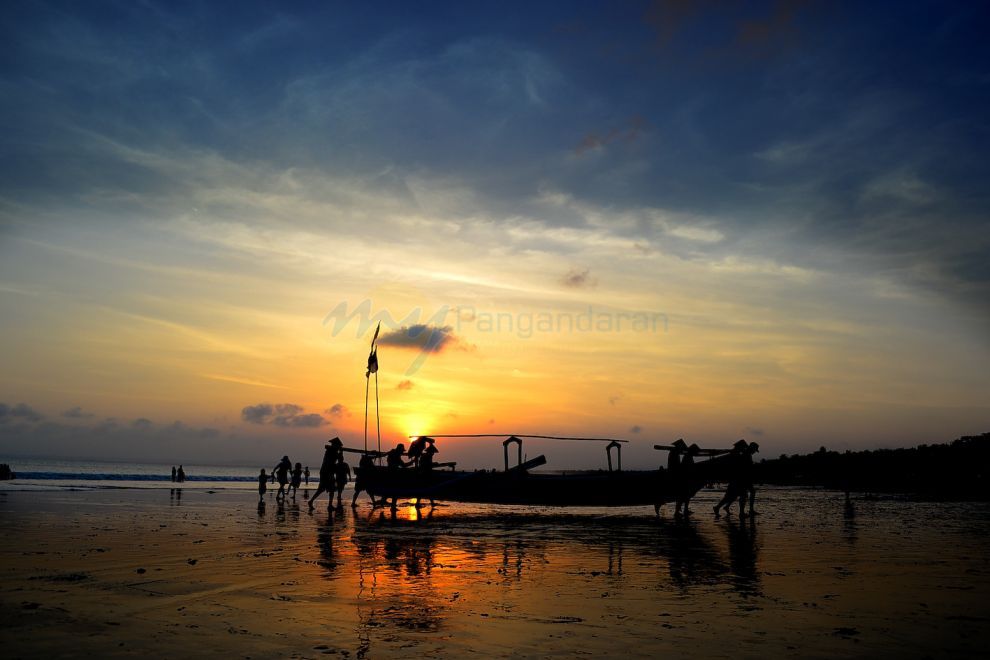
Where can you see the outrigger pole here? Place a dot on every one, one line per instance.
(517, 435)
(372, 369)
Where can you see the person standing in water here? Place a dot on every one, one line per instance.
(736, 486)
(674, 472)
(282, 473)
(262, 485)
(180, 475)
(341, 475)
(296, 479)
(332, 453)
(173, 473)
(686, 481)
(306, 474)
(366, 464)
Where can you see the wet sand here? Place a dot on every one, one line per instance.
(147, 573)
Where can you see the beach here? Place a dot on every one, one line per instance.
(195, 572)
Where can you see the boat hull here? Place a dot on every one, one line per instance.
(571, 489)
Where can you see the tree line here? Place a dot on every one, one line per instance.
(956, 470)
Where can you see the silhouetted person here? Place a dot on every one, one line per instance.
(737, 478)
(306, 474)
(426, 460)
(262, 485)
(282, 474)
(678, 447)
(331, 453)
(273, 477)
(296, 479)
(341, 475)
(366, 464)
(173, 473)
(749, 487)
(393, 458)
(685, 483)
(180, 476)
(426, 465)
(416, 448)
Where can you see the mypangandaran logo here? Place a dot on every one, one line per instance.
(433, 333)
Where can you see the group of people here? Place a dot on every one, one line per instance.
(686, 480)
(6, 473)
(179, 475)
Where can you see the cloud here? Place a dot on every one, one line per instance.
(594, 141)
(338, 410)
(286, 415)
(750, 430)
(257, 414)
(423, 337)
(635, 428)
(76, 413)
(143, 424)
(578, 279)
(21, 411)
(311, 420)
(404, 385)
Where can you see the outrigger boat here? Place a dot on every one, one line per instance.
(516, 484)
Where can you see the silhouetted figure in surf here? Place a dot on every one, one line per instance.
(733, 489)
(296, 479)
(425, 466)
(262, 485)
(180, 476)
(741, 482)
(341, 475)
(173, 473)
(282, 474)
(331, 454)
(678, 447)
(306, 474)
(686, 480)
(366, 464)
(749, 487)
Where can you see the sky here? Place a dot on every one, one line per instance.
(636, 220)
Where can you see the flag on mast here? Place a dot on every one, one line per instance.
(373, 356)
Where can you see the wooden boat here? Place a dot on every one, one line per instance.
(518, 485)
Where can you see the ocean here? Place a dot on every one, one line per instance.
(51, 474)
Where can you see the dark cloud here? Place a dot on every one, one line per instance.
(578, 279)
(422, 337)
(143, 424)
(286, 415)
(404, 385)
(20, 412)
(754, 431)
(77, 413)
(257, 414)
(338, 410)
(636, 428)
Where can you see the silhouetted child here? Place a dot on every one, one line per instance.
(296, 479)
(282, 473)
(262, 485)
